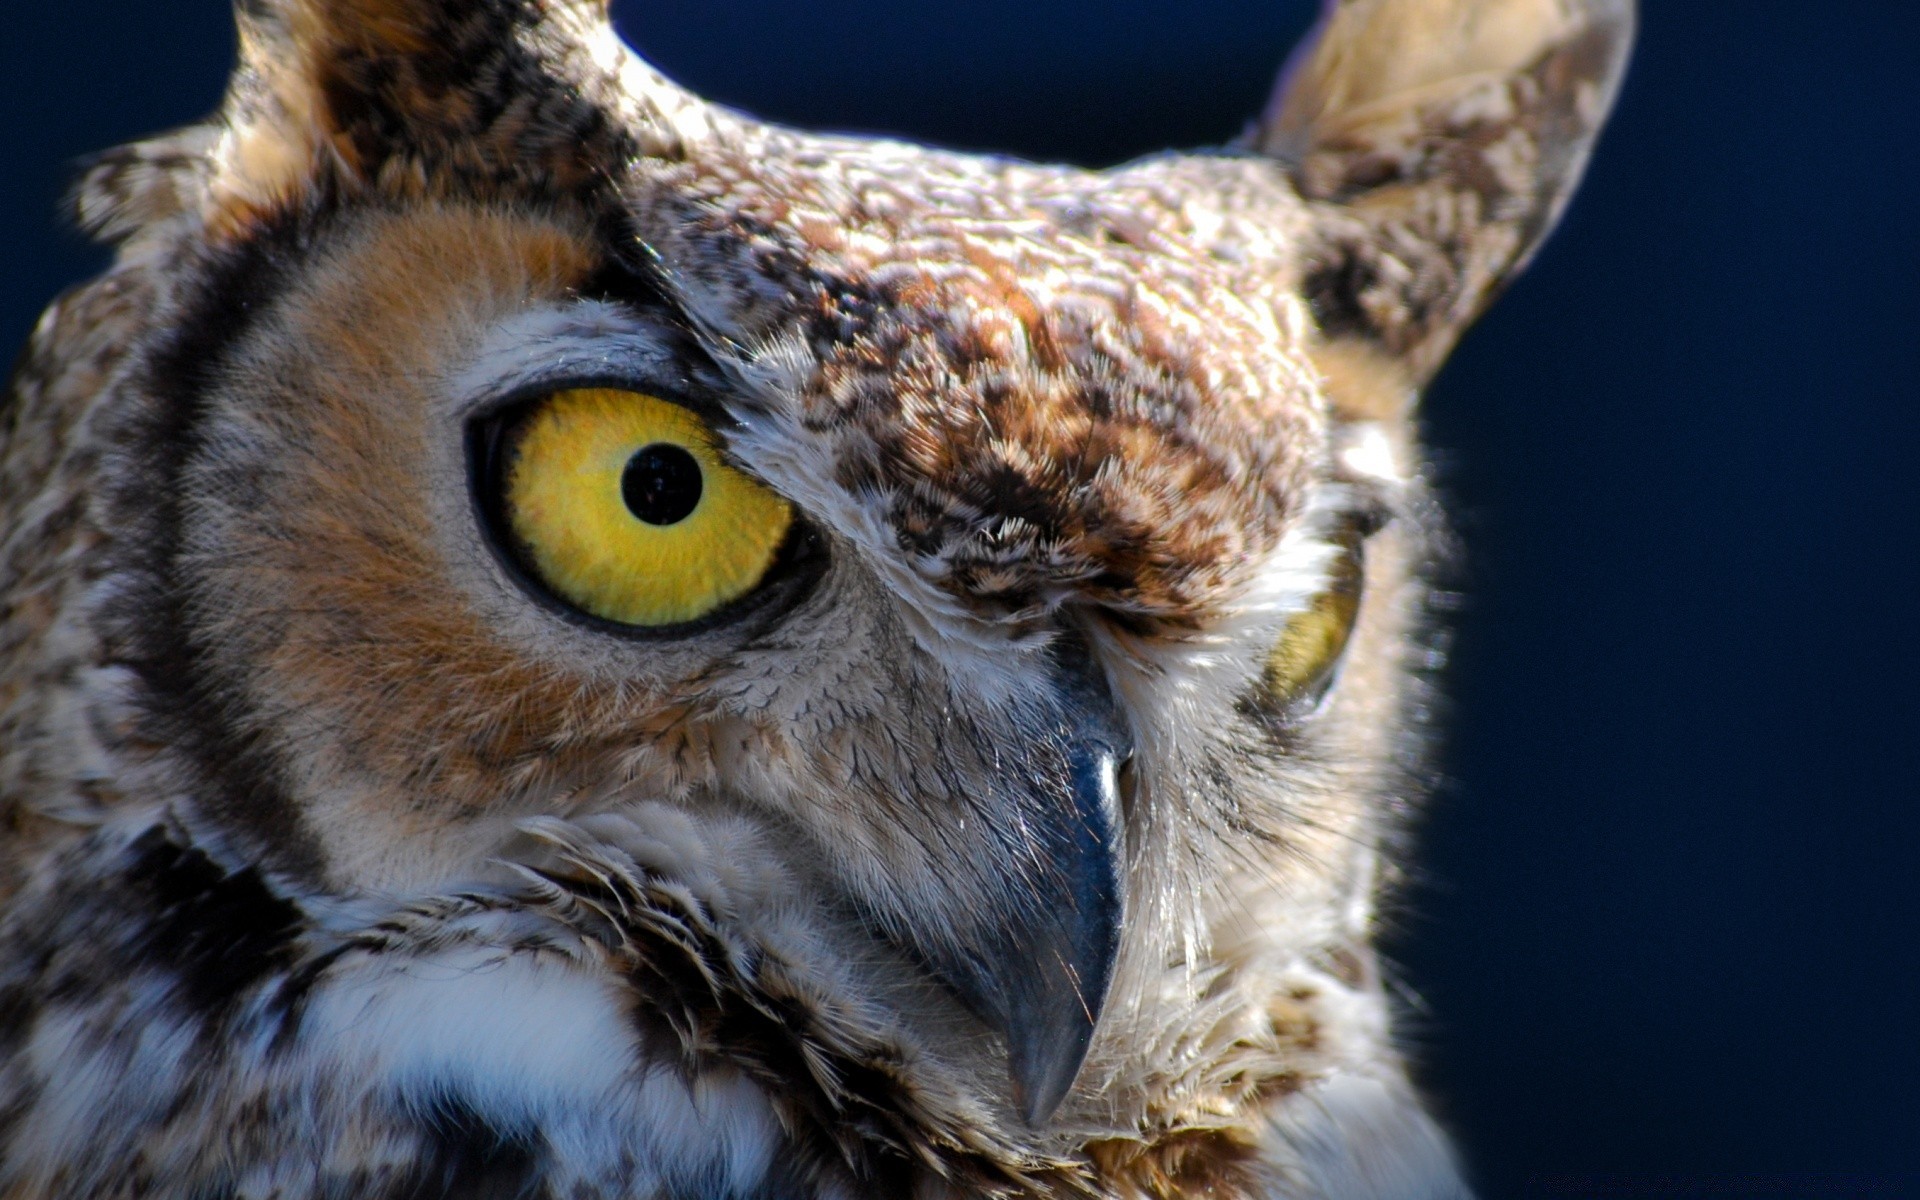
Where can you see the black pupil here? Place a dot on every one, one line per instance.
(661, 484)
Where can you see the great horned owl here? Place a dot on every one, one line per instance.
(559, 641)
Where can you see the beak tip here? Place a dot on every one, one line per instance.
(1052, 1027)
(1036, 963)
(1042, 1071)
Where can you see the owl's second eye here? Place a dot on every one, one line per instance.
(1301, 666)
(623, 507)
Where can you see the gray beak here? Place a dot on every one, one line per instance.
(1037, 969)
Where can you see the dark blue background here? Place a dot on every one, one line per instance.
(1667, 921)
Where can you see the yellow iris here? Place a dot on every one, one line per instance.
(625, 509)
(1310, 647)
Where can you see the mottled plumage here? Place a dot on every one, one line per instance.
(1017, 836)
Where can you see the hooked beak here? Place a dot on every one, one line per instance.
(1037, 969)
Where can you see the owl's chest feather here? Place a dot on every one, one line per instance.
(597, 1033)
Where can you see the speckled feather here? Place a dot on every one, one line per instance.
(337, 864)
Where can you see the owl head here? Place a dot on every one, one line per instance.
(1024, 561)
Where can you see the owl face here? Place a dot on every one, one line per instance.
(1029, 556)
(478, 523)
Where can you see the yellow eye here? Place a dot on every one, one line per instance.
(1301, 664)
(623, 507)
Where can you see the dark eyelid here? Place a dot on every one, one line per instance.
(1374, 512)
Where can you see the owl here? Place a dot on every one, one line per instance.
(558, 641)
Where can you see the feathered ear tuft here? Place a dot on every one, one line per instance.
(513, 100)
(506, 96)
(1439, 141)
(145, 184)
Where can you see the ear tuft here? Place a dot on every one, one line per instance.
(508, 96)
(1439, 141)
(145, 184)
(510, 100)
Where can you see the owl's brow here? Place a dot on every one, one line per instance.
(587, 343)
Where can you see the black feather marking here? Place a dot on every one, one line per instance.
(1334, 290)
(216, 933)
(243, 777)
(469, 1159)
